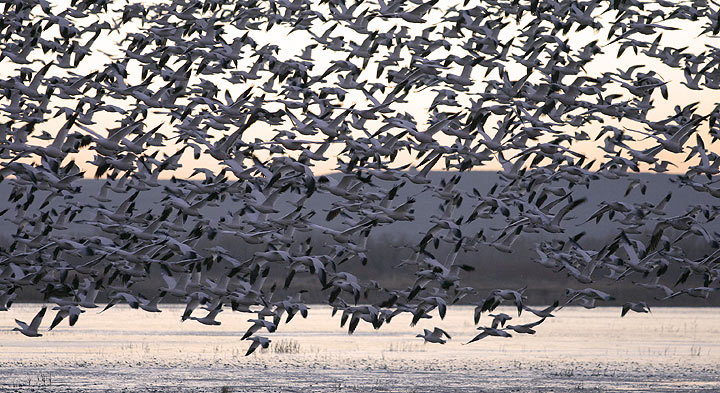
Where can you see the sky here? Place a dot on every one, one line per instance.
(290, 44)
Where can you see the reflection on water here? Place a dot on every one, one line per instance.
(669, 349)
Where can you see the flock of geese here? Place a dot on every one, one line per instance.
(254, 98)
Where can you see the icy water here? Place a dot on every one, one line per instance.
(124, 350)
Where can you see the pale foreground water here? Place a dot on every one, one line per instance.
(123, 350)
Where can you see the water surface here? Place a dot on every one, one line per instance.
(671, 349)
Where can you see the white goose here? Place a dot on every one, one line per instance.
(435, 336)
(32, 329)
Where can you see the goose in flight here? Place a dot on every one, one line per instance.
(586, 297)
(257, 325)
(487, 332)
(414, 16)
(32, 329)
(640, 307)
(674, 142)
(526, 328)
(209, 319)
(544, 313)
(65, 311)
(257, 341)
(508, 240)
(422, 176)
(499, 320)
(31, 90)
(496, 297)
(434, 336)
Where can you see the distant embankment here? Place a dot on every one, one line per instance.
(492, 268)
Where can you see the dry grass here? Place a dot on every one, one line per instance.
(285, 346)
(405, 347)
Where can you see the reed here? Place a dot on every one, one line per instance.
(286, 346)
(405, 347)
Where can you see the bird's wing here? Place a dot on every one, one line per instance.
(478, 337)
(22, 324)
(439, 331)
(253, 347)
(38, 318)
(422, 9)
(533, 324)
